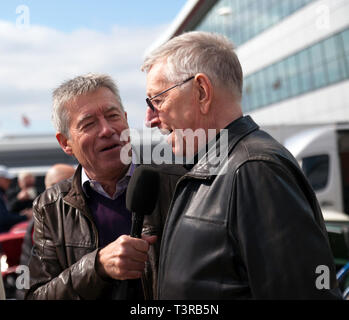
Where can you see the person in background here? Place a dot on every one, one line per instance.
(248, 226)
(7, 218)
(57, 173)
(21, 198)
(82, 248)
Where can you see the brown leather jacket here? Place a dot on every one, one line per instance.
(63, 259)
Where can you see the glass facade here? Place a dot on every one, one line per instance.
(317, 66)
(242, 20)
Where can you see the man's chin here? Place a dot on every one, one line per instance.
(165, 132)
(180, 146)
(114, 159)
(169, 138)
(114, 168)
(177, 143)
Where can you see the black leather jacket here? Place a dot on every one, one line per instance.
(62, 265)
(255, 231)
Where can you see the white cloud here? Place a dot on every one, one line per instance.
(36, 60)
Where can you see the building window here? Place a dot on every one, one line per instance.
(317, 66)
(242, 20)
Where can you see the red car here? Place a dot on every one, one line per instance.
(10, 252)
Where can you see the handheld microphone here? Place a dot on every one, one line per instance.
(141, 196)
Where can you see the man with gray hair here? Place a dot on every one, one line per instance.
(252, 227)
(81, 225)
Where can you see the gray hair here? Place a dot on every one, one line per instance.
(199, 52)
(73, 88)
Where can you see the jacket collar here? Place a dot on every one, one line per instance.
(75, 197)
(235, 131)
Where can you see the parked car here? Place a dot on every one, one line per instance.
(323, 154)
(10, 252)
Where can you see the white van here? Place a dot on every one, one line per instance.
(323, 154)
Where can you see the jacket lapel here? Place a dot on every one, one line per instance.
(228, 138)
(76, 197)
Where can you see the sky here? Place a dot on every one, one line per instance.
(43, 43)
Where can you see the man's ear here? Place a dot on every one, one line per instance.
(205, 88)
(64, 143)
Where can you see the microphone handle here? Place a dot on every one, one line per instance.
(137, 225)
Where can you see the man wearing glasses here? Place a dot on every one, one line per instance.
(252, 228)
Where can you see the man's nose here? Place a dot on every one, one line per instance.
(152, 118)
(106, 129)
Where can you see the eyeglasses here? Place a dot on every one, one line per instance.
(148, 100)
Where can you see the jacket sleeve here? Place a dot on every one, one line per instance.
(49, 281)
(281, 242)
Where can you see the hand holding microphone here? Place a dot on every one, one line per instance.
(125, 257)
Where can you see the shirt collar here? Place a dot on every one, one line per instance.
(121, 185)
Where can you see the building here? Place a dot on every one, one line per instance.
(35, 153)
(294, 54)
(32, 153)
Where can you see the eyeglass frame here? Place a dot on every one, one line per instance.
(148, 100)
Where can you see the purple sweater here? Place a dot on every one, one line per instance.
(111, 216)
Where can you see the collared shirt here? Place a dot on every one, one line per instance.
(121, 185)
(110, 214)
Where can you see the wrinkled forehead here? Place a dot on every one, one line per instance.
(157, 78)
(92, 105)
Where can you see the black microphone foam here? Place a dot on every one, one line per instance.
(141, 196)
